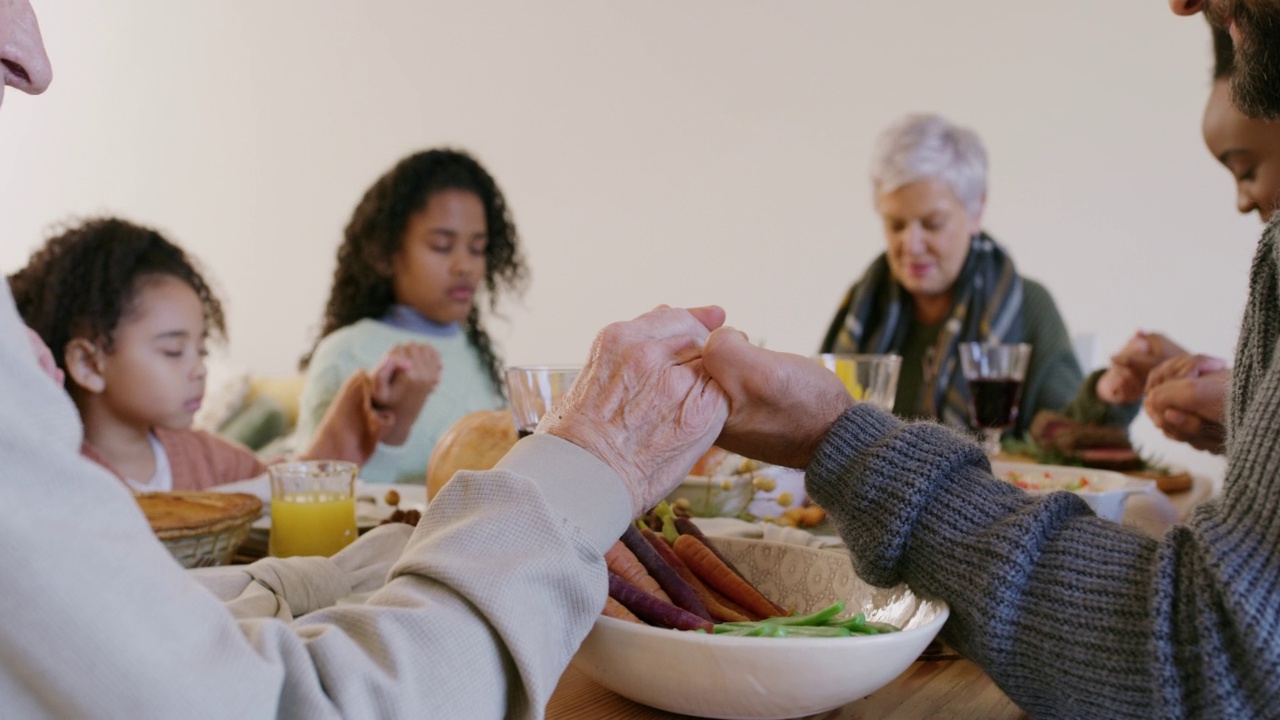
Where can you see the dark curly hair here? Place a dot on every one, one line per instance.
(361, 285)
(87, 275)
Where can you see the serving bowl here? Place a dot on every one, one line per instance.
(1104, 490)
(718, 676)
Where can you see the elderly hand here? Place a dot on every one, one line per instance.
(1124, 381)
(403, 379)
(780, 405)
(1186, 399)
(643, 403)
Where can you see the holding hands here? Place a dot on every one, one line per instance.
(1186, 399)
(401, 383)
(781, 405)
(378, 405)
(644, 403)
(1125, 380)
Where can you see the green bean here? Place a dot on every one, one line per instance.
(819, 618)
(823, 623)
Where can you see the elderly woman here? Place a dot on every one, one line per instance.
(942, 281)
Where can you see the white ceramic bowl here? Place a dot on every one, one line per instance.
(1104, 490)
(717, 676)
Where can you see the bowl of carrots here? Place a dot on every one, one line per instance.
(782, 630)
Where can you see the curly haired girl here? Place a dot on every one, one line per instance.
(127, 316)
(425, 239)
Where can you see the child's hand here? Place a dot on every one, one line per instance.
(45, 357)
(401, 383)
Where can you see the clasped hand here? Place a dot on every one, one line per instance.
(658, 390)
(644, 403)
(1186, 398)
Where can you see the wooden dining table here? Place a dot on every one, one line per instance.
(951, 688)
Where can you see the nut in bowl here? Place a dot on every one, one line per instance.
(723, 676)
(724, 484)
(1104, 490)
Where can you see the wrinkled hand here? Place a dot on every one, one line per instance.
(1125, 380)
(643, 403)
(780, 405)
(1186, 399)
(44, 356)
(403, 379)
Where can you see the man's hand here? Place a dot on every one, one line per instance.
(780, 405)
(643, 403)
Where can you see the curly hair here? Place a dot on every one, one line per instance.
(361, 284)
(86, 277)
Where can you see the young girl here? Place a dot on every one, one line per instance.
(127, 316)
(426, 238)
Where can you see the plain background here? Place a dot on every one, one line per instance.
(712, 151)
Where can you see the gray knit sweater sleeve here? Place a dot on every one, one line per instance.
(1071, 615)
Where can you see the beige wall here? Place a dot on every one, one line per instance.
(677, 152)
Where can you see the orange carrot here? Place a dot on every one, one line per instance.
(624, 562)
(704, 563)
(614, 609)
(686, 526)
(718, 611)
(731, 605)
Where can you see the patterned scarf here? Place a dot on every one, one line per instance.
(876, 317)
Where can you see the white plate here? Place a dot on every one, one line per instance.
(1104, 490)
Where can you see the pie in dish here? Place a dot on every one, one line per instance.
(184, 514)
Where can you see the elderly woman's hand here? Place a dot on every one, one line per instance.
(780, 405)
(643, 402)
(1124, 381)
(1186, 399)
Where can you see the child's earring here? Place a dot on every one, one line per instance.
(84, 365)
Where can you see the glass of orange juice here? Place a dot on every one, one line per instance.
(869, 378)
(313, 507)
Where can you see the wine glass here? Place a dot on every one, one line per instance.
(995, 373)
(535, 389)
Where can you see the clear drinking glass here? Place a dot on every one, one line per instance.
(535, 389)
(995, 374)
(313, 507)
(869, 378)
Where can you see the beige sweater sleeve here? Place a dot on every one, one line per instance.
(484, 608)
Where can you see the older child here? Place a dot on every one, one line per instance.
(427, 237)
(127, 315)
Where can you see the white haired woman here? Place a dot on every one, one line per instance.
(942, 280)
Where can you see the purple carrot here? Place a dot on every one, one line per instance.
(652, 610)
(670, 581)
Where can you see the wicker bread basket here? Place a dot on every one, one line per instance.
(200, 528)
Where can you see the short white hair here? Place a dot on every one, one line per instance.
(924, 147)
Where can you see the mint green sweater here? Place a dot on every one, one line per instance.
(464, 387)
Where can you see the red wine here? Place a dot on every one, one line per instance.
(994, 401)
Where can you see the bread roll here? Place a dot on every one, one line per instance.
(476, 442)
